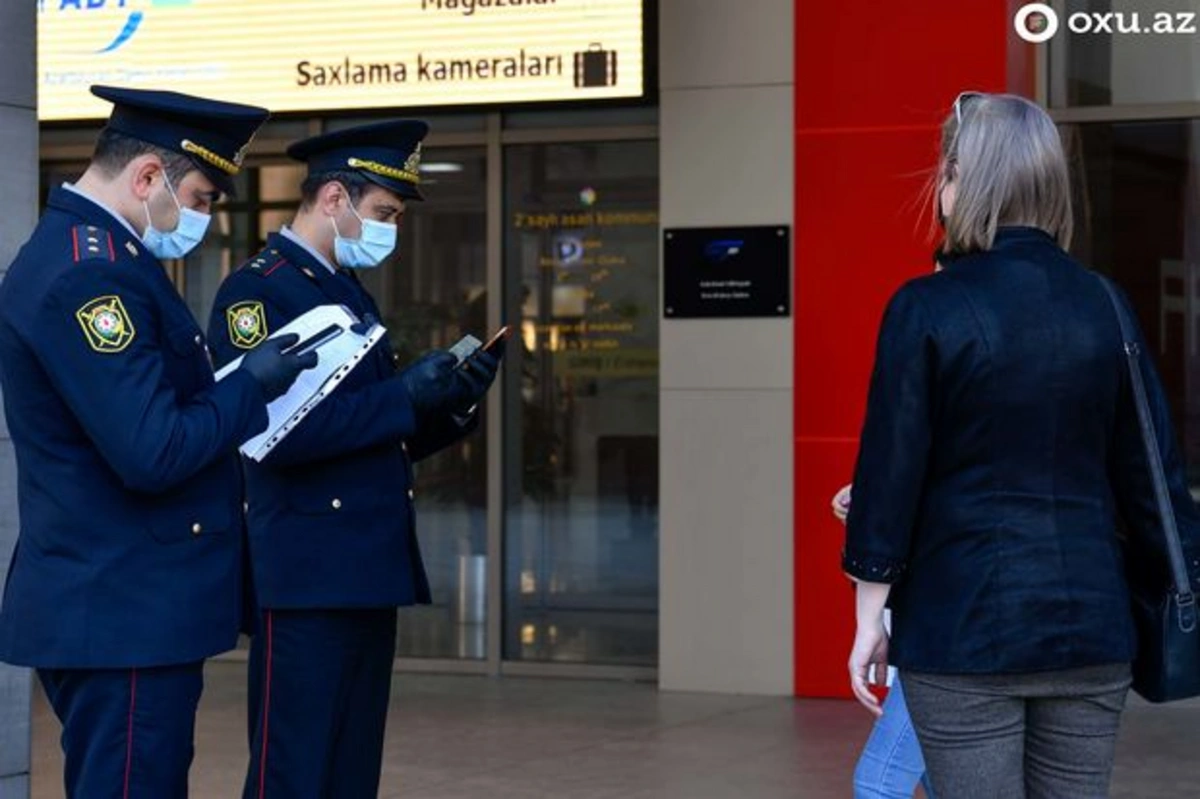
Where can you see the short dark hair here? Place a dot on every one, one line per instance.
(115, 150)
(356, 185)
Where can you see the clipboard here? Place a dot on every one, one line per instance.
(326, 330)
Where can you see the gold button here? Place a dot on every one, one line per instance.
(337, 504)
(197, 529)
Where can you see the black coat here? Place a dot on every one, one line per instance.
(1000, 448)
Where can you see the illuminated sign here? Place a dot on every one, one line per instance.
(322, 55)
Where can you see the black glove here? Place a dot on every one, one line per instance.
(361, 328)
(274, 371)
(434, 384)
(479, 372)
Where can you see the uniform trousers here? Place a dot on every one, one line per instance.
(320, 682)
(127, 733)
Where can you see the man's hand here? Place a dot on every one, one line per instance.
(434, 384)
(275, 371)
(479, 372)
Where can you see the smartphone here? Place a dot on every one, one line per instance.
(501, 335)
(465, 348)
(873, 677)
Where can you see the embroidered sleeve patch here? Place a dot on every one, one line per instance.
(247, 324)
(106, 324)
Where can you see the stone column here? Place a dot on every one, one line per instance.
(18, 213)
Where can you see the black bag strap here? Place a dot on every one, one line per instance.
(1182, 589)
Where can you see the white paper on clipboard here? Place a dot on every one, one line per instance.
(336, 357)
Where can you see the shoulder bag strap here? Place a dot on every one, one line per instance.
(1182, 583)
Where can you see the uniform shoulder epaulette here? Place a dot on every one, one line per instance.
(265, 263)
(89, 242)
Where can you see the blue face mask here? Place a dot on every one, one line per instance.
(188, 232)
(375, 243)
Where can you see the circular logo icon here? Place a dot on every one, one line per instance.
(568, 249)
(1036, 22)
(247, 323)
(107, 324)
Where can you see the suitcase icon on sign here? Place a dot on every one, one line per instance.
(595, 67)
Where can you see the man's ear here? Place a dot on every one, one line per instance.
(331, 198)
(142, 172)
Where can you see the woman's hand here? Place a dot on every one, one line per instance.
(841, 503)
(870, 651)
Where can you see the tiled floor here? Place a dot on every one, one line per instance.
(474, 738)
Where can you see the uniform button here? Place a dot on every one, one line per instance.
(197, 529)
(404, 447)
(411, 494)
(198, 339)
(337, 504)
(245, 507)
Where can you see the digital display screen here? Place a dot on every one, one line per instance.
(325, 55)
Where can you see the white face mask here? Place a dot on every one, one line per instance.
(375, 243)
(188, 232)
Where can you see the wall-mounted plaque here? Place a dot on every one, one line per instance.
(727, 272)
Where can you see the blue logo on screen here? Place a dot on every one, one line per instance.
(716, 252)
(132, 21)
(568, 249)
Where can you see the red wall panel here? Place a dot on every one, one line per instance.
(873, 81)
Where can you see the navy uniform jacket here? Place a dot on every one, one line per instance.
(1000, 446)
(330, 515)
(129, 552)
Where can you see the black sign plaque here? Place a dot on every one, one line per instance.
(727, 272)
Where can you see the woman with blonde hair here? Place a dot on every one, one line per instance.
(1000, 445)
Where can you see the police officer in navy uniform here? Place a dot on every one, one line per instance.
(127, 571)
(331, 521)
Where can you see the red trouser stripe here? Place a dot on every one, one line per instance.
(266, 716)
(129, 734)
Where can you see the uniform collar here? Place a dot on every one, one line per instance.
(74, 203)
(289, 234)
(89, 199)
(292, 249)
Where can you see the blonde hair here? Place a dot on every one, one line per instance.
(1007, 163)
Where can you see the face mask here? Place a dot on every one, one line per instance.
(376, 242)
(183, 239)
